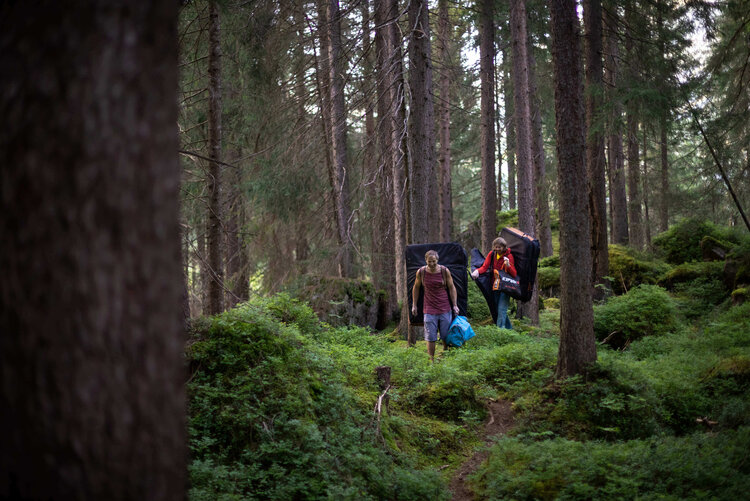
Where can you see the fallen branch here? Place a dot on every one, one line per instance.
(604, 341)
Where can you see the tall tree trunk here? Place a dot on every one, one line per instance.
(526, 203)
(216, 284)
(634, 191)
(510, 130)
(92, 344)
(541, 195)
(647, 222)
(391, 115)
(422, 128)
(663, 124)
(595, 161)
(378, 163)
(487, 78)
(445, 35)
(577, 344)
(338, 139)
(618, 197)
(498, 132)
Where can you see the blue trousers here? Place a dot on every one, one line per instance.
(503, 321)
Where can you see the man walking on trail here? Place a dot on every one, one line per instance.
(438, 283)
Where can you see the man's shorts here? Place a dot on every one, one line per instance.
(434, 322)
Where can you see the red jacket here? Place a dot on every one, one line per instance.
(499, 264)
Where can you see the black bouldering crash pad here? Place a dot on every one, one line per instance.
(484, 282)
(453, 257)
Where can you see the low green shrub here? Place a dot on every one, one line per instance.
(548, 278)
(271, 415)
(646, 310)
(508, 218)
(698, 466)
(550, 262)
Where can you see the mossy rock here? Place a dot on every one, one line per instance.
(713, 249)
(628, 268)
(688, 272)
(740, 296)
(342, 301)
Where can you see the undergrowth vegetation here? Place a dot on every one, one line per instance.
(281, 404)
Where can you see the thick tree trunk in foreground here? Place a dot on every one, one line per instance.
(92, 402)
(487, 77)
(215, 260)
(595, 161)
(526, 202)
(577, 344)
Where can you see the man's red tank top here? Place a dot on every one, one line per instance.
(436, 299)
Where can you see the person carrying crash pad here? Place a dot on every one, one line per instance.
(501, 259)
(437, 309)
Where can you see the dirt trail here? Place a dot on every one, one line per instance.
(499, 422)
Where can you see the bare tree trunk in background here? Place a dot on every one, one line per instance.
(302, 246)
(618, 197)
(422, 128)
(663, 125)
(487, 125)
(215, 261)
(647, 222)
(543, 229)
(378, 168)
(526, 203)
(338, 139)
(577, 343)
(664, 172)
(237, 262)
(634, 190)
(445, 36)
(510, 130)
(92, 399)
(595, 160)
(498, 132)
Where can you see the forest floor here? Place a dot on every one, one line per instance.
(499, 422)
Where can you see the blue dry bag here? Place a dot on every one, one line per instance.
(459, 332)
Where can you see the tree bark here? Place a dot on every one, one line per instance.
(91, 352)
(445, 35)
(215, 260)
(526, 203)
(380, 168)
(618, 197)
(595, 161)
(510, 131)
(634, 191)
(577, 344)
(541, 195)
(487, 104)
(341, 197)
(647, 222)
(422, 128)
